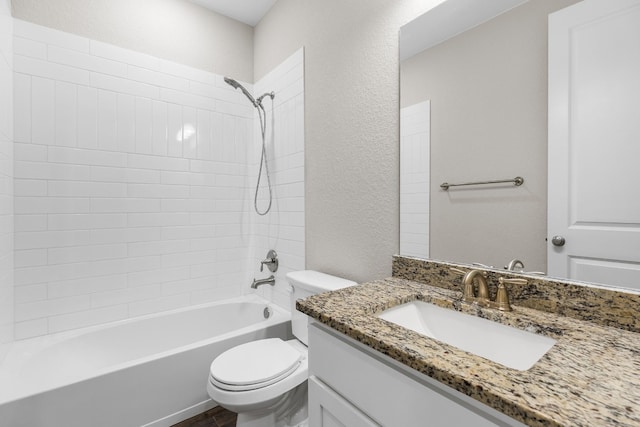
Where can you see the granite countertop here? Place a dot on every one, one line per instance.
(590, 377)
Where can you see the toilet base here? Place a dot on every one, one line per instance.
(289, 411)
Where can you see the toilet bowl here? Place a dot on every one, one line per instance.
(265, 381)
(260, 394)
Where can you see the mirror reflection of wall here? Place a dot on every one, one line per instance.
(487, 89)
(414, 179)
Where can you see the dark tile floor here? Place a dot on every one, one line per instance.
(216, 417)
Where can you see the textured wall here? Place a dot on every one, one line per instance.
(488, 92)
(177, 30)
(351, 124)
(6, 175)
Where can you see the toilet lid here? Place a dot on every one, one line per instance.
(255, 364)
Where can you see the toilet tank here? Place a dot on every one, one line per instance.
(304, 284)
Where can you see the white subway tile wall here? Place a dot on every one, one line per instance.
(283, 228)
(6, 176)
(415, 140)
(133, 192)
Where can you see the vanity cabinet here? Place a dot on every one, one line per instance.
(329, 409)
(352, 385)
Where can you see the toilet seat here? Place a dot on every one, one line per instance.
(254, 365)
(242, 401)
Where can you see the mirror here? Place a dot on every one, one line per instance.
(474, 108)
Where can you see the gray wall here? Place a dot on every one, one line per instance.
(488, 92)
(351, 124)
(176, 30)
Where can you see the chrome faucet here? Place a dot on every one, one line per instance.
(481, 297)
(271, 280)
(513, 264)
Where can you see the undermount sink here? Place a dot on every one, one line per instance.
(502, 344)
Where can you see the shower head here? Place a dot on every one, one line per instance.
(236, 85)
(232, 82)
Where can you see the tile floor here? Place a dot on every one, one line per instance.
(216, 417)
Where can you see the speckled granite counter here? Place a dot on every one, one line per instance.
(599, 304)
(591, 377)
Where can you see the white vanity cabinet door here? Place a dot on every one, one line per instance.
(328, 409)
(390, 394)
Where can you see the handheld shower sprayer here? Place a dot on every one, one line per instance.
(236, 85)
(262, 115)
(256, 102)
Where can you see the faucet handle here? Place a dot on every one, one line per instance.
(513, 281)
(458, 271)
(263, 262)
(271, 261)
(502, 297)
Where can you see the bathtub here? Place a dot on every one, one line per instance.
(150, 371)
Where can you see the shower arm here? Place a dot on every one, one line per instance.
(261, 97)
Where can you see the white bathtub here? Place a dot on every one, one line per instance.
(148, 371)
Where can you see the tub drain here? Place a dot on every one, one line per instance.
(266, 312)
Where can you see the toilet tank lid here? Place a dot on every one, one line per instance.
(314, 280)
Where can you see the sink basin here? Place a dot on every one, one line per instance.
(502, 344)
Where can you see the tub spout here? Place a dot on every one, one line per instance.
(271, 280)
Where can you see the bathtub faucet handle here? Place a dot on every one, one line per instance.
(271, 262)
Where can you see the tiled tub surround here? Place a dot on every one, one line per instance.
(591, 377)
(134, 181)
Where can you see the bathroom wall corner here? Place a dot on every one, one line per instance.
(6, 177)
(352, 129)
(282, 229)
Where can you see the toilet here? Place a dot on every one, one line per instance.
(265, 381)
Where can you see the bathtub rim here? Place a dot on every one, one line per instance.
(20, 352)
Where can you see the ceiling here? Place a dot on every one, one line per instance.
(248, 11)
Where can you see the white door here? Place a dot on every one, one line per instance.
(594, 142)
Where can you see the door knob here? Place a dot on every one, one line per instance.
(557, 241)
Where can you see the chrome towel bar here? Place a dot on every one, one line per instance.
(517, 181)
